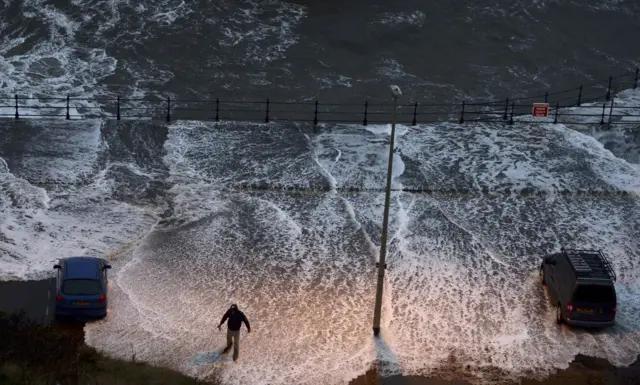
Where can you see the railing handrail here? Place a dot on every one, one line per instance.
(170, 108)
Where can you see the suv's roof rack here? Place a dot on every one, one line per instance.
(589, 264)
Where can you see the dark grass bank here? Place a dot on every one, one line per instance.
(36, 353)
(582, 371)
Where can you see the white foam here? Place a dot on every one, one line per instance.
(463, 285)
(35, 231)
(494, 260)
(190, 145)
(301, 241)
(530, 157)
(329, 80)
(386, 129)
(259, 31)
(263, 274)
(356, 148)
(59, 22)
(169, 16)
(391, 69)
(24, 112)
(447, 282)
(76, 147)
(150, 14)
(253, 25)
(610, 5)
(626, 108)
(619, 173)
(71, 68)
(72, 213)
(522, 8)
(415, 18)
(55, 67)
(462, 279)
(333, 183)
(58, 65)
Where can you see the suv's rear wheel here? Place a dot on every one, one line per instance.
(559, 319)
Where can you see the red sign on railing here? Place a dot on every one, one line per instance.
(540, 109)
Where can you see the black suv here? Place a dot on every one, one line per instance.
(581, 285)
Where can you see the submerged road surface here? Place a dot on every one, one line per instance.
(36, 298)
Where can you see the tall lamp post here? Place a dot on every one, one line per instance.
(382, 265)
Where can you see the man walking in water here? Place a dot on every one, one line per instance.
(236, 318)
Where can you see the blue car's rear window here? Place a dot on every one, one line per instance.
(81, 287)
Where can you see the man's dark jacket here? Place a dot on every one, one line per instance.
(235, 320)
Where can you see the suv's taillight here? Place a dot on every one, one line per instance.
(59, 298)
(569, 307)
(614, 309)
(103, 298)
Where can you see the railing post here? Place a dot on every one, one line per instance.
(168, 108)
(513, 105)
(579, 96)
(546, 97)
(506, 109)
(17, 114)
(366, 106)
(610, 113)
(266, 118)
(635, 81)
(217, 109)
(609, 88)
(415, 114)
(555, 119)
(604, 105)
(315, 115)
(118, 108)
(464, 102)
(68, 116)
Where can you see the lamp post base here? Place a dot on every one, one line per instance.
(376, 331)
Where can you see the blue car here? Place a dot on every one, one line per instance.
(81, 287)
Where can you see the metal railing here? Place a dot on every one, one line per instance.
(566, 106)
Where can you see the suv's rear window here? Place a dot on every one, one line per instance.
(81, 287)
(594, 293)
